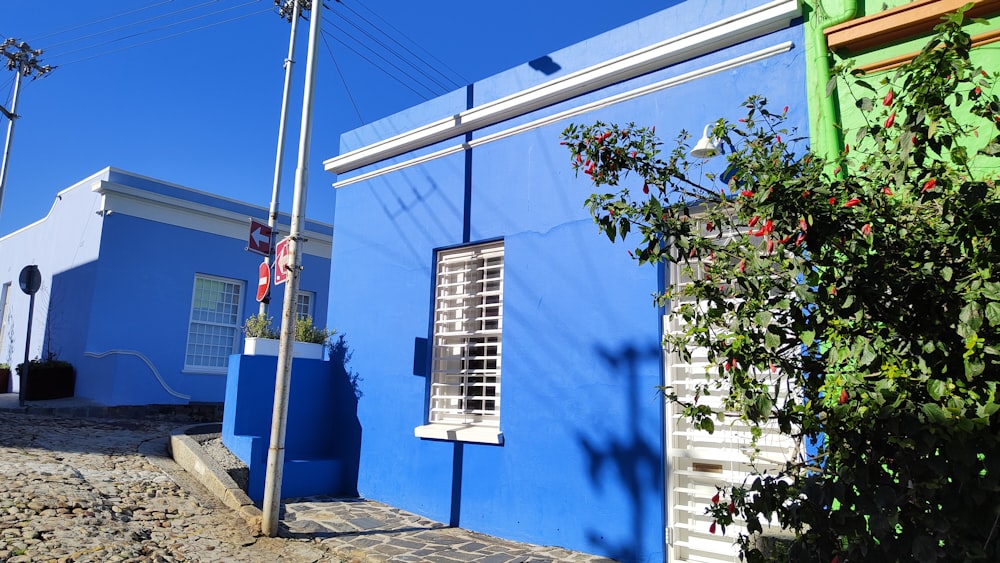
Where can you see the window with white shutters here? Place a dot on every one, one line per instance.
(467, 343)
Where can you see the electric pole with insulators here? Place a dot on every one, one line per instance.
(24, 61)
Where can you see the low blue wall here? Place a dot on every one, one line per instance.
(323, 435)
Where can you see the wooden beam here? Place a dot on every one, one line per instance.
(900, 23)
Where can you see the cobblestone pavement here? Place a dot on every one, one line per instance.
(77, 489)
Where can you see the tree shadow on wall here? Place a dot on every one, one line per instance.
(344, 414)
(627, 460)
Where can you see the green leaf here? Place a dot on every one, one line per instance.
(946, 273)
(937, 388)
(807, 337)
(934, 412)
(993, 313)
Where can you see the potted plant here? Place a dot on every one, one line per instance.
(263, 339)
(48, 379)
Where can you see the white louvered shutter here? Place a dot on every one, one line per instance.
(468, 323)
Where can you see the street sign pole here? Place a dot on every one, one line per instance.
(30, 280)
(279, 417)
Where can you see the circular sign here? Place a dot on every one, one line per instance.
(30, 279)
(264, 275)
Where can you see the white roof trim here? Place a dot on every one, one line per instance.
(578, 110)
(755, 22)
(119, 198)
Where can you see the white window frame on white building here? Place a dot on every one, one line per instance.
(464, 398)
(214, 323)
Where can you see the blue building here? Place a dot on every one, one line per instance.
(509, 355)
(145, 287)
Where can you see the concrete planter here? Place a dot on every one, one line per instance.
(270, 346)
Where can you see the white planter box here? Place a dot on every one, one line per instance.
(269, 347)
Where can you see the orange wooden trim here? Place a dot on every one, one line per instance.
(889, 64)
(900, 23)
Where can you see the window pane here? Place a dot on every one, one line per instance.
(213, 333)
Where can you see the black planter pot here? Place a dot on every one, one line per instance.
(48, 380)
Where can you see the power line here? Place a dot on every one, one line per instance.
(397, 54)
(376, 65)
(165, 37)
(130, 25)
(459, 83)
(83, 25)
(344, 81)
(167, 26)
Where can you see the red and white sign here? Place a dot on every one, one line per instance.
(263, 280)
(281, 262)
(260, 238)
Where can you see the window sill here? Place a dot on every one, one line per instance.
(460, 433)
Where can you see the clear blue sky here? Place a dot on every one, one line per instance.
(189, 91)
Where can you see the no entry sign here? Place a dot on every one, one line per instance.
(263, 281)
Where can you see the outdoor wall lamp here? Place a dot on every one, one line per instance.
(707, 147)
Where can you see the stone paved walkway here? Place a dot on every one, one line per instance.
(76, 486)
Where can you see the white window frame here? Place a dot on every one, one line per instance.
(304, 304)
(226, 328)
(464, 399)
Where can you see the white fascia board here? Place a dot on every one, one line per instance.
(755, 22)
(730, 64)
(118, 198)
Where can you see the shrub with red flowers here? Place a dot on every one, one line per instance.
(853, 303)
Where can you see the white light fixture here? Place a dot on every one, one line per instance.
(707, 147)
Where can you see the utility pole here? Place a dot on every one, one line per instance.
(24, 60)
(276, 450)
(290, 9)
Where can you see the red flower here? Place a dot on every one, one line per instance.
(843, 396)
(711, 528)
(709, 226)
(929, 185)
(768, 226)
(836, 171)
(753, 221)
(715, 499)
(746, 193)
(799, 239)
(785, 110)
(852, 202)
(887, 190)
(779, 138)
(743, 266)
(890, 120)
(802, 224)
(732, 507)
(887, 100)
(977, 91)
(770, 245)
(645, 188)
(833, 200)
(866, 229)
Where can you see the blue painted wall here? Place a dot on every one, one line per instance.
(123, 282)
(322, 438)
(582, 464)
